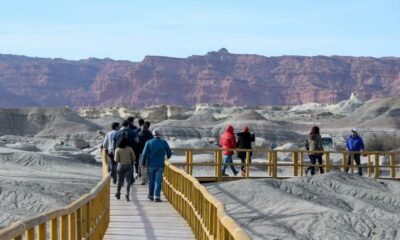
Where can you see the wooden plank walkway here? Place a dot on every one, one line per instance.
(142, 219)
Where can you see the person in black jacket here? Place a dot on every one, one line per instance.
(245, 139)
(144, 136)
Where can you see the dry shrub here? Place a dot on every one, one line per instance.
(382, 142)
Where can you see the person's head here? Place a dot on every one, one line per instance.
(354, 132)
(131, 119)
(230, 129)
(147, 124)
(114, 126)
(314, 130)
(125, 123)
(246, 129)
(157, 132)
(144, 127)
(123, 142)
(141, 122)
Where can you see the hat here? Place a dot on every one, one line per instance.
(157, 132)
(354, 130)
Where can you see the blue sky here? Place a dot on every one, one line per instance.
(133, 29)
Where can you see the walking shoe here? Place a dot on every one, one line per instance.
(225, 175)
(118, 195)
(158, 200)
(151, 198)
(142, 183)
(306, 171)
(127, 197)
(235, 173)
(243, 173)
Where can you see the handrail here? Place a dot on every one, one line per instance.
(272, 163)
(86, 218)
(205, 214)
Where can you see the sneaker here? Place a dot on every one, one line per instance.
(158, 200)
(118, 195)
(243, 173)
(225, 175)
(151, 198)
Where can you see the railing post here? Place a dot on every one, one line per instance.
(247, 164)
(30, 234)
(64, 227)
(190, 162)
(79, 224)
(352, 162)
(301, 163)
(72, 226)
(269, 168)
(376, 170)
(54, 229)
(369, 166)
(344, 162)
(295, 163)
(220, 160)
(41, 233)
(327, 162)
(275, 164)
(187, 161)
(392, 165)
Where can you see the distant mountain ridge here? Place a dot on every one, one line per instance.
(218, 76)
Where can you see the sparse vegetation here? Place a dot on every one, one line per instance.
(382, 142)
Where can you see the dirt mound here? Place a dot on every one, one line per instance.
(328, 206)
(43, 122)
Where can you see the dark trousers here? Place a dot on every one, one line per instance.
(243, 160)
(124, 172)
(313, 160)
(112, 166)
(357, 160)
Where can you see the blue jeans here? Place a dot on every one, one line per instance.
(155, 181)
(228, 159)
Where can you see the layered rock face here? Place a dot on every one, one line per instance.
(219, 77)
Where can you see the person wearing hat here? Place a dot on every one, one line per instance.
(245, 139)
(354, 143)
(153, 156)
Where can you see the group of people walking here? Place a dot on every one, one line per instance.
(136, 153)
(354, 143)
(314, 144)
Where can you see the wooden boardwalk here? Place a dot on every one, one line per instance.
(142, 219)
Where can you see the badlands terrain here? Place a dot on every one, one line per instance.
(50, 156)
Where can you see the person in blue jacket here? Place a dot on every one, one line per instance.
(154, 155)
(354, 143)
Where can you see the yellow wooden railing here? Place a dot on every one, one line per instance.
(86, 218)
(297, 163)
(204, 213)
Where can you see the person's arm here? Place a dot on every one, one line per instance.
(105, 142)
(117, 157)
(168, 150)
(348, 144)
(252, 137)
(362, 144)
(145, 154)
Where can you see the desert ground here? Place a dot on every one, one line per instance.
(51, 156)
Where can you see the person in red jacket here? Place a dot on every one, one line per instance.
(228, 141)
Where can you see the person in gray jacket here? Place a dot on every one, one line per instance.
(314, 143)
